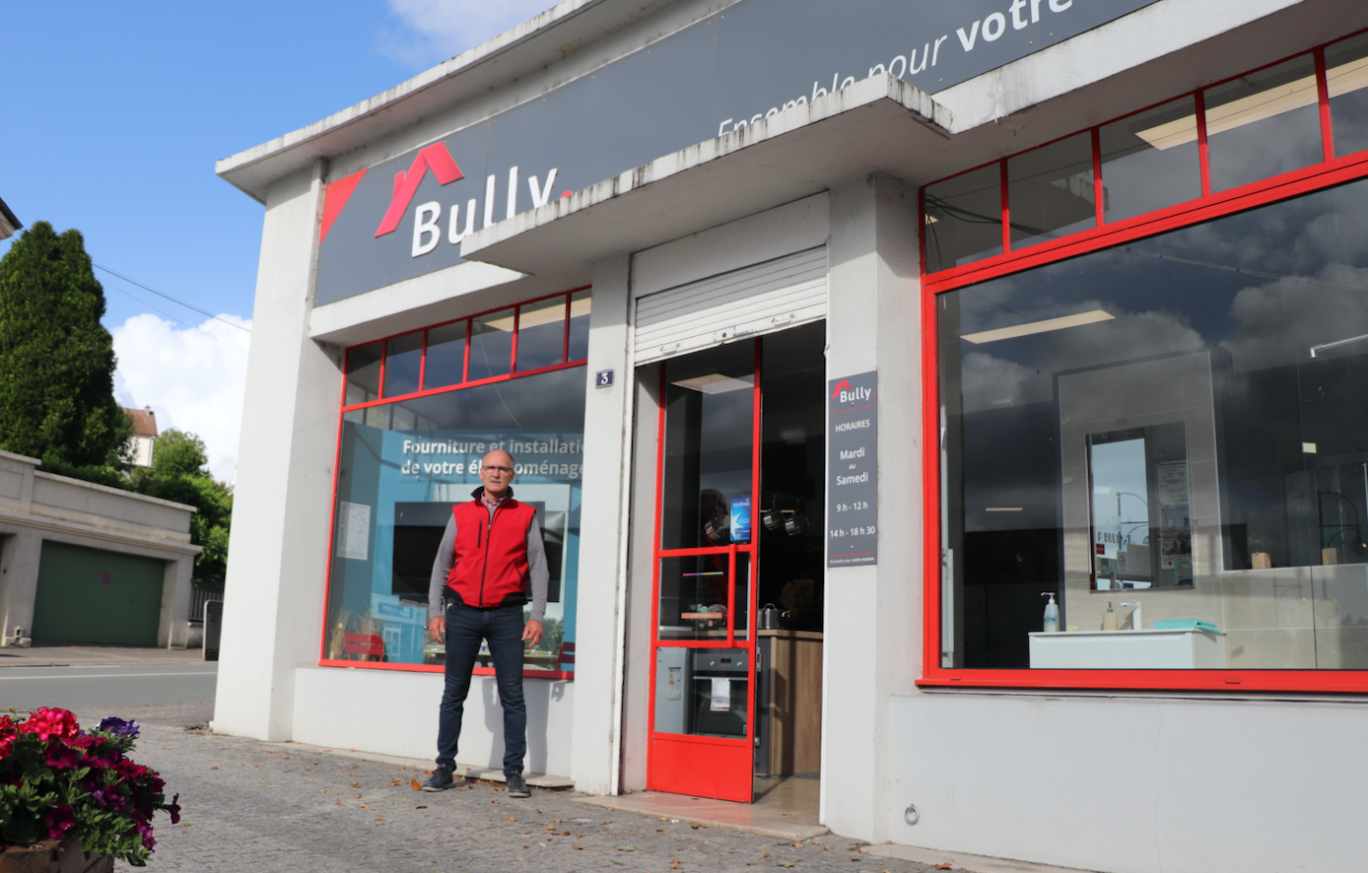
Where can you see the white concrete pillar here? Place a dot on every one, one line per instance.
(607, 449)
(873, 619)
(173, 629)
(20, 555)
(273, 612)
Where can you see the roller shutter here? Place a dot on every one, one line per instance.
(758, 299)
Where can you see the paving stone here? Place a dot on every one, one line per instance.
(263, 807)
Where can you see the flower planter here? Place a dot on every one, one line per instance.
(52, 856)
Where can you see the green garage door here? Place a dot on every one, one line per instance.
(93, 596)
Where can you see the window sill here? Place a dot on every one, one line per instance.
(528, 673)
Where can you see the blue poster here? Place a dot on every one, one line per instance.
(740, 519)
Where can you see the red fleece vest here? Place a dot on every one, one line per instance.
(490, 567)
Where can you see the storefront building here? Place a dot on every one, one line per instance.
(953, 404)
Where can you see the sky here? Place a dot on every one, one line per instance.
(114, 117)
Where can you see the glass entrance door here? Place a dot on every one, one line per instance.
(703, 641)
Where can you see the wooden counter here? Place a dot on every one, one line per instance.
(794, 688)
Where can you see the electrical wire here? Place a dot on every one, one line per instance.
(169, 297)
(180, 321)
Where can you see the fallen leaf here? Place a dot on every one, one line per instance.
(526, 847)
(379, 818)
(550, 827)
(213, 766)
(766, 854)
(356, 785)
(660, 830)
(790, 864)
(627, 848)
(420, 807)
(577, 848)
(944, 865)
(396, 781)
(694, 826)
(186, 825)
(511, 818)
(826, 848)
(519, 857)
(797, 845)
(365, 806)
(337, 802)
(567, 833)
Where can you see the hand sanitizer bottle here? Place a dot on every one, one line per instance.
(1051, 613)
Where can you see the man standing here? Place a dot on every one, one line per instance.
(490, 559)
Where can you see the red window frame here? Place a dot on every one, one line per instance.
(1332, 170)
(465, 383)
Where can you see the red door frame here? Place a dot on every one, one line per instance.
(674, 762)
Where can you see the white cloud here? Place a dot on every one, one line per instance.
(431, 31)
(193, 379)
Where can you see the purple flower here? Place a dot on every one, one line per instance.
(108, 798)
(174, 808)
(118, 726)
(59, 821)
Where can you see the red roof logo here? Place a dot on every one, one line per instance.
(434, 157)
(842, 385)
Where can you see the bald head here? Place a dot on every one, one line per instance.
(496, 473)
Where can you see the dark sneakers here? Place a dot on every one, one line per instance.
(440, 780)
(517, 786)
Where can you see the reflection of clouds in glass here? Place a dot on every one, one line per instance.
(1297, 237)
(992, 382)
(1280, 321)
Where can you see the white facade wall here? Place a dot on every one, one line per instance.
(392, 712)
(1131, 783)
(272, 622)
(872, 635)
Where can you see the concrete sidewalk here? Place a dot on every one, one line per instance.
(271, 807)
(56, 655)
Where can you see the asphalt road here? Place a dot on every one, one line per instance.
(175, 693)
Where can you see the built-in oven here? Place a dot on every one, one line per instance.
(719, 685)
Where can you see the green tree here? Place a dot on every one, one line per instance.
(56, 359)
(180, 473)
(178, 453)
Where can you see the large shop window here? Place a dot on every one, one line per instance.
(1173, 431)
(1164, 441)
(512, 380)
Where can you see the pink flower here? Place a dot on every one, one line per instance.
(48, 723)
(8, 729)
(59, 821)
(60, 756)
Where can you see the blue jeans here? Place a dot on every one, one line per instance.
(502, 628)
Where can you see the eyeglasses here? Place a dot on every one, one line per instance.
(504, 470)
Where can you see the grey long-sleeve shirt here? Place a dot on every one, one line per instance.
(537, 571)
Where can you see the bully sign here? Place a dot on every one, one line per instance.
(853, 462)
(406, 216)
